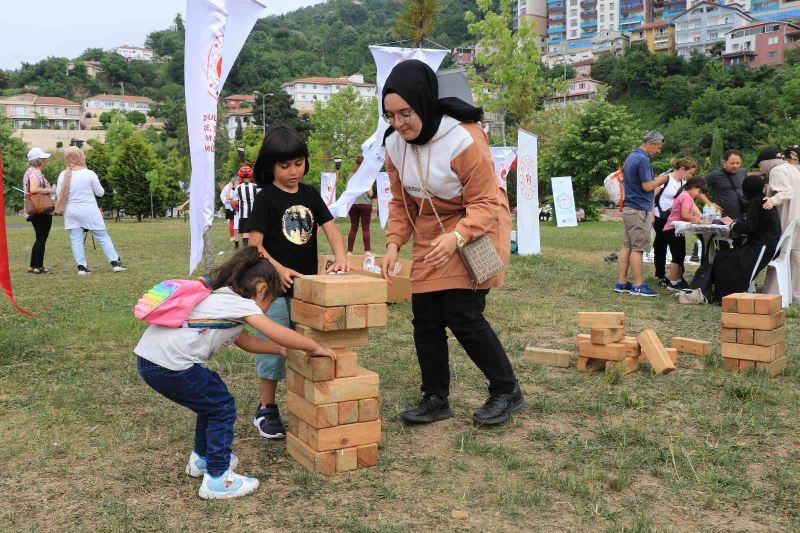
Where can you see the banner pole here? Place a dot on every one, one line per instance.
(5, 271)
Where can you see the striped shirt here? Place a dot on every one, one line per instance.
(246, 193)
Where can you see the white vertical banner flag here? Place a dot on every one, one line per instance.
(528, 237)
(503, 157)
(384, 197)
(564, 202)
(386, 57)
(327, 187)
(215, 33)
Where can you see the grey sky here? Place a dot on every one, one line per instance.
(31, 30)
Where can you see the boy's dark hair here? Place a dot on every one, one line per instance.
(753, 187)
(244, 271)
(695, 182)
(728, 153)
(281, 143)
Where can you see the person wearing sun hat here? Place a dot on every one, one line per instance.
(783, 193)
(34, 182)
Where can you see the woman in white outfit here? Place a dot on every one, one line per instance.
(77, 188)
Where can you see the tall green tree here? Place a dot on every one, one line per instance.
(130, 169)
(15, 163)
(98, 158)
(276, 108)
(717, 149)
(118, 132)
(417, 20)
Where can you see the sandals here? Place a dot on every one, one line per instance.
(43, 270)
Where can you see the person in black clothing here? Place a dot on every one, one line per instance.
(725, 184)
(734, 268)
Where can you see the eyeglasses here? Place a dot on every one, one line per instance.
(405, 116)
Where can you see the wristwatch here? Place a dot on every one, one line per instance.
(460, 242)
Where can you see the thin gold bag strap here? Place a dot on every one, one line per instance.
(423, 181)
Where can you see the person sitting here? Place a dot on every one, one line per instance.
(735, 268)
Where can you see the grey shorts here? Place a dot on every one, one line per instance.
(638, 225)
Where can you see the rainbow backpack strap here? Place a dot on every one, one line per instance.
(170, 302)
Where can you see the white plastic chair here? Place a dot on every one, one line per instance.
(780, 266)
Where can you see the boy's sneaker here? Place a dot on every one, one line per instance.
(196, 466)
(679, 286)
(83, 271)
(268, 422)
(117, 266)
(228, 485)
(623, 287)
(643, 290)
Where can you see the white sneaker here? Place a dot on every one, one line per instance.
(228, 485)
(83, 271)
(196, 466)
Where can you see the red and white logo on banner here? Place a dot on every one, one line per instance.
(527, 168)
(214, 65)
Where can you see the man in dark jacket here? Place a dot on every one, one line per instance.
(725, 184)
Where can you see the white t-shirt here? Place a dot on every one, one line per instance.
(180, 348)
(82, 210)
(667, 197)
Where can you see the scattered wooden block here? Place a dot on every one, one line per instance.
(356, 316)
(610, 352)
(316, 416)
(607, 335)
(769, 338)
(753, 321)
(345, 436)
(361, 386)
(764, 354)
(730, 364)
(348, 412)
(346, 459)
(773, 368)
(673, 355)
(311, 367)
(346, 363)
(318, 462)
(691, 346)
(346, 338)
(767, 304)
(318, 317)
(744, 336)
(368, 410)
(654, 351)
(601, 320)
(340, 289)
(728, 334)
(377, 315)
(633, 349)
(544, 356)
(626, 366)
(586, 364)
(367, 455)
(295, 382)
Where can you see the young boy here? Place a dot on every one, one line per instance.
(283, 226)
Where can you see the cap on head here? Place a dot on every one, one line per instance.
(245, 172)
(768, 154)
(37, 153)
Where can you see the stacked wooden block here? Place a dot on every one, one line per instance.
(334, 420)
(753, 333)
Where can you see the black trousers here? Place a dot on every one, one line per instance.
(41, 225)
(660, 247)
(461, 310)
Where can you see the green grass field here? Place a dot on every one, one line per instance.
(85, 445)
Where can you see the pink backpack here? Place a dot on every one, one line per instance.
(170, 302)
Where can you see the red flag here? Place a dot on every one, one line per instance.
(5, 272)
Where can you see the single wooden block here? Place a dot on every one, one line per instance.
(626, 366)
(728, 334)
(607, 335)
(340, 289)
(367, 455)
(765, 354)
(744, 336)
(311, 367)
(746, 304)
(586, 364)
(745, 365)
(601, 320)
(633, 349)
(346, 338)
(292, 424)
(672, 353)
(767, 304)
(377, 315)
(368, 410)
(730, 303)
(318, 317)
(544, 356)
(691, 346)
(753, 321)
(356, 316)
(348, 412)
(316, 416)
(361, 386)
(345, 436)
(654, 351)
(314, 461)
(610, 352)
(346, 363)
(773, 368)
(730, 364)
(295, 382)
(303, 431)
(769, 338)
(346, 459)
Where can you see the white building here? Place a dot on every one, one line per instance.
(580, 91)
(135, 52)
(43, 112)
(114, 102)
(705, 25)
(306, 91)
(532, 12)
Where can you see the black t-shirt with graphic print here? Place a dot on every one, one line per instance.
(289, 224)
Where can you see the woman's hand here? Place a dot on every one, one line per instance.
(339, 266)
(287, 276)
(388, 262)
(444, 246)
(323, 352)
(768, 203)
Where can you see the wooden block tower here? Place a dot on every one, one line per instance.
(334, 420)
(753, 333)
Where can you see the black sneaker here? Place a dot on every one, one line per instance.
(663, 282)
(268, 422)
(678, 287)
(117, 266)
(83, 271)
(432, 408)
(498, 409)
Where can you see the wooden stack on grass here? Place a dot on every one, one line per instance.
(334, 420)
(753, 333)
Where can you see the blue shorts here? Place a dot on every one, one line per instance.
(271, 366)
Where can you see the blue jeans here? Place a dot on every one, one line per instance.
(201, 390)
(76, 236)
(271, 366)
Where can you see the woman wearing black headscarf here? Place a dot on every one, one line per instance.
(437, 156)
